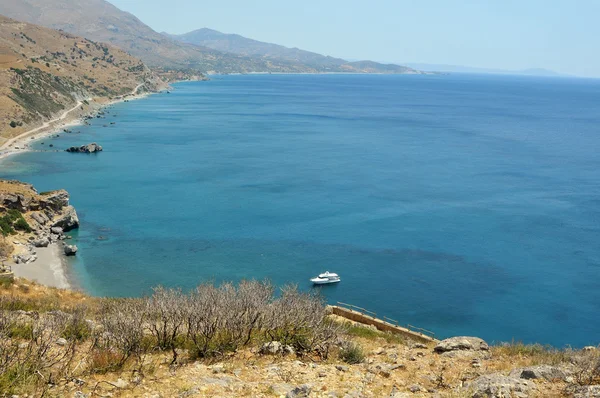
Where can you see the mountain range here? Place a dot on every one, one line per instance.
(476, 70)
(240, 45)
(205, 51)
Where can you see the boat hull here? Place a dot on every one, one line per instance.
(317, 281)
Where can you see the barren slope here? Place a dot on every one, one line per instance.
(44, 72)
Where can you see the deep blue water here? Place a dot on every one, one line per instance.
(461, 204)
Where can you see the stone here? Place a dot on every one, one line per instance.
(55, 200)
(341, 368)
(24, 258)
(275, 347)
(280, 389)
(589, 348)
(120, 383)
(89, 148)
(414, 388)
(40, 218)
(42, 241)
(420, 346)
(496, 385)
(587, 392)
(61, 342)
(271, 348)
(302, 391)
(56, 230)
(67, 219)
(379, 351)
(218, 368)
(539, 372)
(397, 394)
(79, 394)
(70, 250)
(461, 344)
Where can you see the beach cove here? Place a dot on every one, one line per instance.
(442, 201)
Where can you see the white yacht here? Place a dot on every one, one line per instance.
(325, 278)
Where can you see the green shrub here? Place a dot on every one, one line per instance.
(13, 124)
(77, 328)
(20, 330)
(352, 353)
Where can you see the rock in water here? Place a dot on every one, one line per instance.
(89, 148)
(70, 250)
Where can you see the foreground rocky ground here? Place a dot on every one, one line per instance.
(383, 365)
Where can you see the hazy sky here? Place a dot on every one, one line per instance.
(509, 34)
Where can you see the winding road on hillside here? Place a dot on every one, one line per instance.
(47, 124)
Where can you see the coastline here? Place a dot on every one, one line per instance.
(72, 117)
(50, 268)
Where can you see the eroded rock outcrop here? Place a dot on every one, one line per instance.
(499, 386)
(547, 372)
(47, 216)
(462, 343)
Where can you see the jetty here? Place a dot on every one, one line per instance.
(366, 317)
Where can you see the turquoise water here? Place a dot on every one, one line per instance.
(461, 204)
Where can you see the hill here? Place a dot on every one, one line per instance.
(44, 72)
(101, 21)
(236, 44)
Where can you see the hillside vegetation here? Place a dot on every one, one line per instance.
(248, 340)
(44, 72)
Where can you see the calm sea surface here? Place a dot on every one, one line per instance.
(461, 204)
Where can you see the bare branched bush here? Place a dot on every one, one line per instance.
(587, 367)
(165, 316)
(122, 322)
(40, 344)
(299, 319)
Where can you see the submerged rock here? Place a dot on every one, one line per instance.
(89, 148)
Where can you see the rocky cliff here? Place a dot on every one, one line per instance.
(31, 219)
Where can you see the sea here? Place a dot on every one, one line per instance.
(462, 204)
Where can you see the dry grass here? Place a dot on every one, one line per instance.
(145, 361)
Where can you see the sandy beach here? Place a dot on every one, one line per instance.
(49, 269)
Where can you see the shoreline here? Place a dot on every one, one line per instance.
(50, 268)
(20, 143)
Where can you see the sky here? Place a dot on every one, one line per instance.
(560, 35)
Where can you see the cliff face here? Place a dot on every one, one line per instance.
(32, 219)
